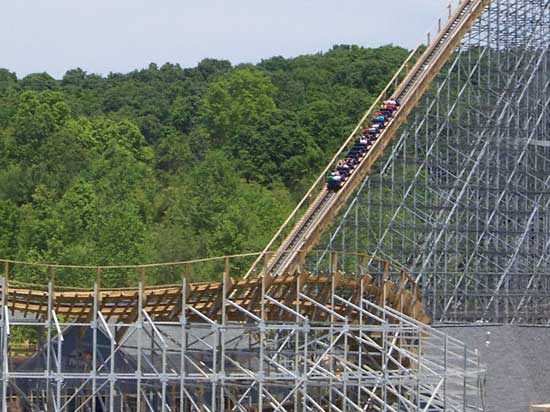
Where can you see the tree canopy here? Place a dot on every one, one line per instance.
(172, 163)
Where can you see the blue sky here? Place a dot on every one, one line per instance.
(103, 36)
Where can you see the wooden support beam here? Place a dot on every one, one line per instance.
(6, 288)
(363, 264)
(333, 261)
(267, 258)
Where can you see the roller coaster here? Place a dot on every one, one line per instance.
(407, 86)
(276, 288)
(322, 210)
(270, 343)
(391, 285)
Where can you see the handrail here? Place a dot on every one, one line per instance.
(146, 265)
(165, 264)
(432, 46)
(17, 284)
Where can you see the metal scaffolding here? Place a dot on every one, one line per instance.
(462, 197)
(293, 343)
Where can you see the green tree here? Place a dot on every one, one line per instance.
(9, 218)
(39, 116)
(233, 102)
(170, 163)
(38, 82)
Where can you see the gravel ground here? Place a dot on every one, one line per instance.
(517, 360)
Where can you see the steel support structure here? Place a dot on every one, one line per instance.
(383, 360)
(462, 197)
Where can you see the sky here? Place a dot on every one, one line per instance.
(103, 36)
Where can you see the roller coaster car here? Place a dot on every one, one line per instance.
(334, 185)
(360, 148)
(343, 170)
(334, 181)
(356, 152)
(353, 161)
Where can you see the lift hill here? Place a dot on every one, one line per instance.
(319, 206)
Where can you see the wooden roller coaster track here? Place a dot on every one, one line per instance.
(392, 287)
(281, 279)
(319, 207)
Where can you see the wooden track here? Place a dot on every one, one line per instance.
(164, 303)
(283, 281)
(320, 206)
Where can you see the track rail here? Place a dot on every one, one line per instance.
(324, 208)
(205, 299)
(382, 281)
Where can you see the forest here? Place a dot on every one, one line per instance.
(169, 163)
